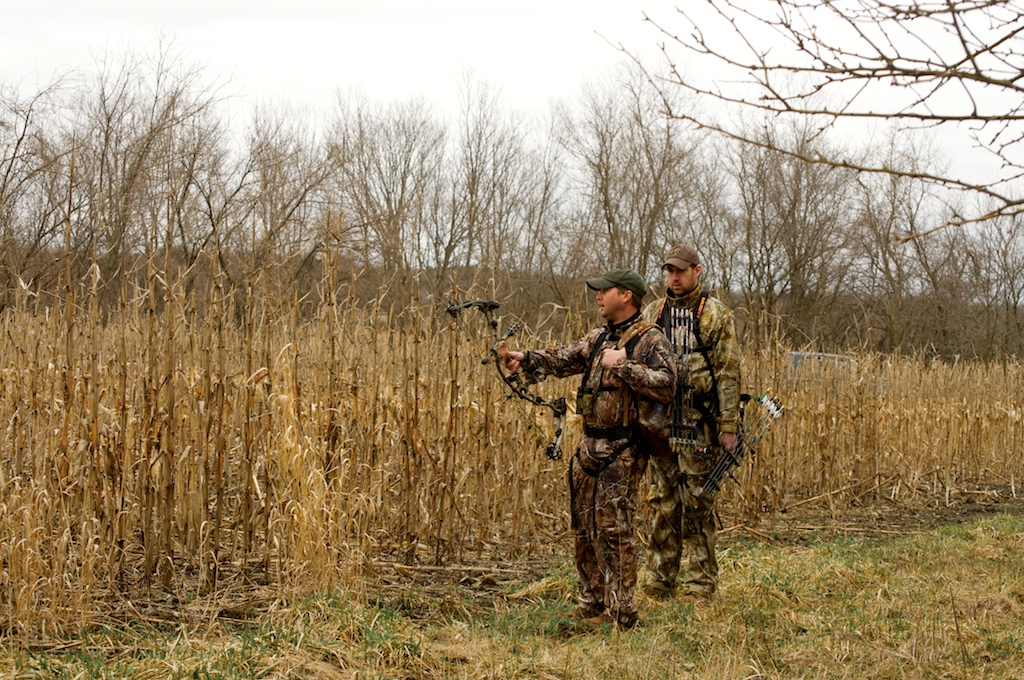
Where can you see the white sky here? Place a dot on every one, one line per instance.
(303, 51)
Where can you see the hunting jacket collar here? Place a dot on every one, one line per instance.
(615, 330)
(686, 300)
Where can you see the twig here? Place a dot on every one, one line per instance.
(865, 530)
(764, 537)
(875, 487)
(398, 566)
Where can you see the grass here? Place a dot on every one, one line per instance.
(943, 602)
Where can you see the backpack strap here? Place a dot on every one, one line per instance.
(590, 359)
(627, 431)
(631, 337)
(629, 341)
(708, 408)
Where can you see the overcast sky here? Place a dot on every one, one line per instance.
(304, 51)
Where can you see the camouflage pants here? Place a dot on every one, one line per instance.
(603, 520)
(682, 524)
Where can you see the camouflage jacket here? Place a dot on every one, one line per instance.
(718, 332)
(649, 372)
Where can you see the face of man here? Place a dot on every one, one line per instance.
(615, 305)
(682, 281)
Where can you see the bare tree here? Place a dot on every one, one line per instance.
(542, 195)
(1002, 249)
(392, 157)
(32, 164)
(886, 278)
(292, 166)
(950, 295)
(504, 181)
(710, 222)
(938, 64)
(472, 217)
(633, 174)
(794, 220)
(224, 182)
(132, 144)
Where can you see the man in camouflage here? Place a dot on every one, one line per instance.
(683, 521)
(626, 361)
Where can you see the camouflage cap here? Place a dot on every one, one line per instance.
(627, 278)
(682, 256)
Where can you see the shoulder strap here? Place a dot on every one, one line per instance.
(704, 351)
(632, 336)
(590, 359)
(660, 316)
(696, 327)
(629, 341)
(661, 311)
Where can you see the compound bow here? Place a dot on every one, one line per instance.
(519, 382)
(770, 409)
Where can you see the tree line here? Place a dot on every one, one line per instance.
(141, 176)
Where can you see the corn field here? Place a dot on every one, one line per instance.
(161, 447)
(884, 424)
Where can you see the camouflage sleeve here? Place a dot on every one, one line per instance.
(726, 359)
(562, 361)
(651, 373)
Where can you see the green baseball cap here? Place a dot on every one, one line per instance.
(627, 278)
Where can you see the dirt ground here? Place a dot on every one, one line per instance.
(881, 516)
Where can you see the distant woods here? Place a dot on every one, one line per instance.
(139, 178)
